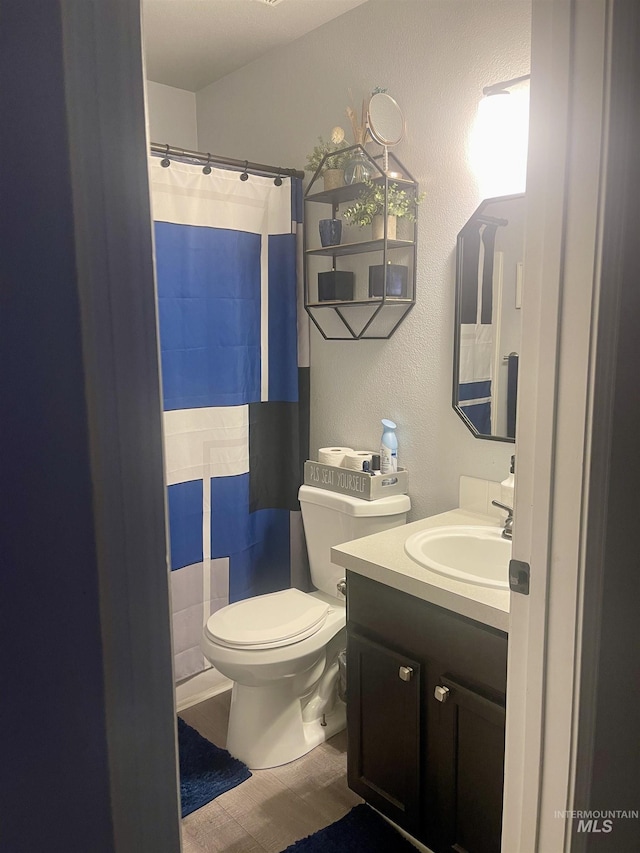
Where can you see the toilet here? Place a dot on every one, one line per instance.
(281, 649)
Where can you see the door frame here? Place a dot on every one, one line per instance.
(571, 52)
(571, 57)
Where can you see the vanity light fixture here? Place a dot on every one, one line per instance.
(499, 136)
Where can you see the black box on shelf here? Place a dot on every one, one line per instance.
(397, 278)
(335, 285)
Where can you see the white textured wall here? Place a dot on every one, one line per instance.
(434, 56)
(171, 114)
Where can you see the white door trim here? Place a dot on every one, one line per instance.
(570, 57)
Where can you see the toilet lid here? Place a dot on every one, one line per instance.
(268, 621)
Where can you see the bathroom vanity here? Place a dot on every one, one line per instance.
(426, 676)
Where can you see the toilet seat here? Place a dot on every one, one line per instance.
(267, 621)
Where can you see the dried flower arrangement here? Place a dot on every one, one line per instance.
(359, 128)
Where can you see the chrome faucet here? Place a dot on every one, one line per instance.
(507, 532)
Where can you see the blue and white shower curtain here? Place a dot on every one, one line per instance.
(234, 355)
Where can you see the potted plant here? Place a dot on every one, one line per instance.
(369, 208)
(331, 157)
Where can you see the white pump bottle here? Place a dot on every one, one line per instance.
(507, 486)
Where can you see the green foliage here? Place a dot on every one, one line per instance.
(337, 161)
(371, 202)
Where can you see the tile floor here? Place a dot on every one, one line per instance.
(274, 807)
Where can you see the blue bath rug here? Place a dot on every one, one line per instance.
(362, 830)
(206, 771)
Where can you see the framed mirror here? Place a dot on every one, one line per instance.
(487, 334)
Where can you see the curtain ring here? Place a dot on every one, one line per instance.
(278, 179)
(207, 168)
(245, 175)
(165, 162)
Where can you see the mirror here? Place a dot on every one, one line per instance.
(487, 335)
(385, 123)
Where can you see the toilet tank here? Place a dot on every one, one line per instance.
(330, 519)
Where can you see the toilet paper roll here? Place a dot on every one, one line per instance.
(353, 460)
(333, 455)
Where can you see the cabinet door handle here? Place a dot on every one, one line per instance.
(441, 693)
(405, 673)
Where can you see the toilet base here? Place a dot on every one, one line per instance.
(267, 729)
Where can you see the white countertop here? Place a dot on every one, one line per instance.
(382, 558)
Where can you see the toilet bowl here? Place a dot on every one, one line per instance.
(284, 700)
(281, 649)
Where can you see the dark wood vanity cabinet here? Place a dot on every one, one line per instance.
(384, 729)
(434, 767)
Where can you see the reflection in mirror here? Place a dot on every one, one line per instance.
(489, 267)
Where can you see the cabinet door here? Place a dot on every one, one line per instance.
(470, 768)
(383, 725)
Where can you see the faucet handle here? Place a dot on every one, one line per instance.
(507, 532)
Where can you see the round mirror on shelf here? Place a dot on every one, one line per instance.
(385, 122)
(385, 119)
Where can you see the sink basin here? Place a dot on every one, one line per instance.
(477, 555)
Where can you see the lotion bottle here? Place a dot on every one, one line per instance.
(388, 448)
(507, 486)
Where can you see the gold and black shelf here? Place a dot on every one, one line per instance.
(373, 265)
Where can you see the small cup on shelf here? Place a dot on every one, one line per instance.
(330, 232)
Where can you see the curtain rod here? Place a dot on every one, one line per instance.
(243, 165)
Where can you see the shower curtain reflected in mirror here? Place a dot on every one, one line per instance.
(234, 355)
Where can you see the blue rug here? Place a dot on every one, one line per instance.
(362, 830)
(206, 771)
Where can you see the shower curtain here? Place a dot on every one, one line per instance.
(235, 380)
(475, 380)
